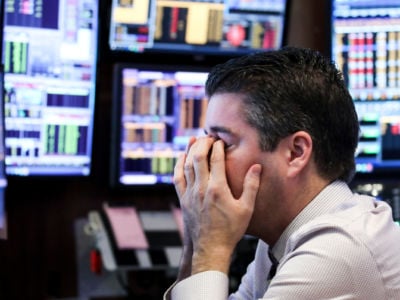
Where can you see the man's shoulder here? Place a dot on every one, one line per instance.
(368, 223)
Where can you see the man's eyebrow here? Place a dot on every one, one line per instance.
(218, 129)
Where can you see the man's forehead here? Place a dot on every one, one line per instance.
(224, 114)
(224, 105)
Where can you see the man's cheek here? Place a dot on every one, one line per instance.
(235, 180)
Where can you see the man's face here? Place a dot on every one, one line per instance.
(225, 121)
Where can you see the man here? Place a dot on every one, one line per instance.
(281, 133)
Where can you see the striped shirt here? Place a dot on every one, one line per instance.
(341, 246)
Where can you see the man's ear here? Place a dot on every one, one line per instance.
(300, 148)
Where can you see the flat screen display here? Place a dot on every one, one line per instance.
(49, 58)
(3, 178)
(155, 111)
(197, 26)
(366, 47)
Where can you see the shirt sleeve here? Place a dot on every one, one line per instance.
(204, 285)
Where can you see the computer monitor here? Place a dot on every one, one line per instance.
(207, 27)
(49, 57)
(366, 47)
(155, 111)
(3, 178)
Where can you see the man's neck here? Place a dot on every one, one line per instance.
(297, 199)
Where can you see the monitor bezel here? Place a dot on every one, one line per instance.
(93, 95)
(378, 174)
(193, 54)
(116, 112)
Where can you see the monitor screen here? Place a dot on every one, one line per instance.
(366, 47)
(197, 26)
(3, 179)
(155, 111)
(49, 57)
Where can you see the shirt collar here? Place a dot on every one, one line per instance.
(326, 201)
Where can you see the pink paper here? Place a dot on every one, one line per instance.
(126, 226)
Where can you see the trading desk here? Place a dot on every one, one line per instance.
(160, 247)
(156, 247)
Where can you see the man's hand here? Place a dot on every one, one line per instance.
(185, 268)
(214, 220)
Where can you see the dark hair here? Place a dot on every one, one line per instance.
(295, 89)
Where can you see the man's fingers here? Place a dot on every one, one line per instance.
(192, 140)
(217, 163)
(188, 163)
(179, 176)
(251, 185)
(196, 164)
(201, 159)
